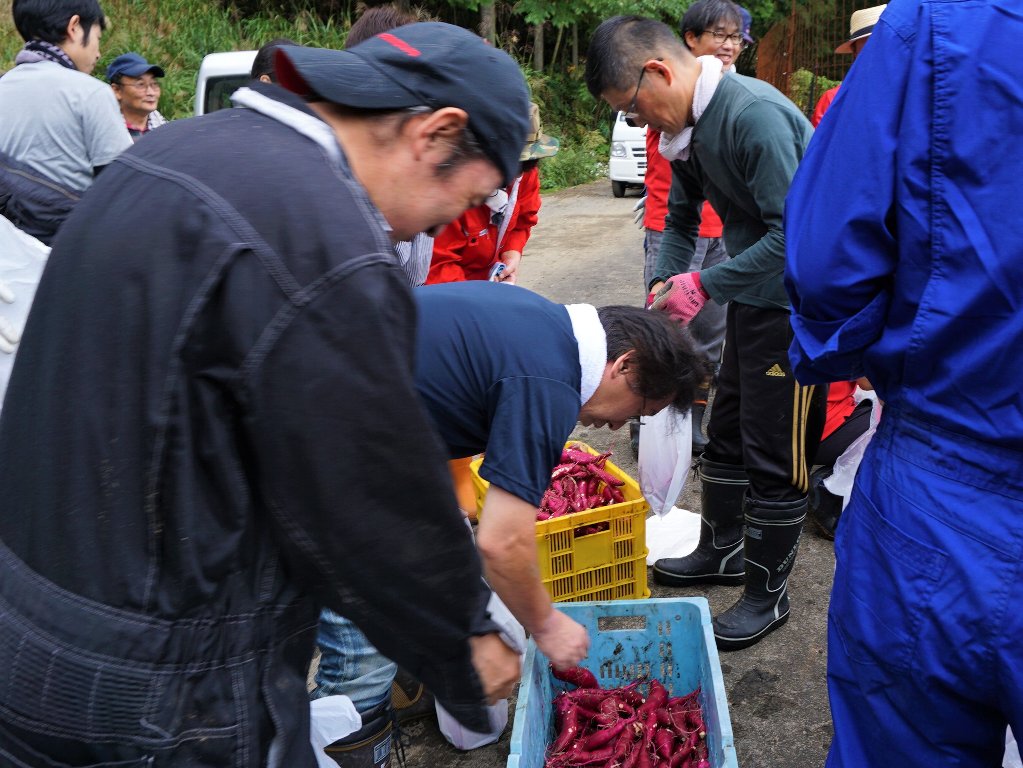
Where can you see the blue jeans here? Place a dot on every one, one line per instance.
(350, 665)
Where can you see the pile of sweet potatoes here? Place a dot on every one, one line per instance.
(578, 483)
(619, 728)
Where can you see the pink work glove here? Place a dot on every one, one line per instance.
(681, 296)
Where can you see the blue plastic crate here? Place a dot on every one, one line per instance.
(670, 639)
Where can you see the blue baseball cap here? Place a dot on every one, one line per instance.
(132, 65)
(429, 64)
(747, 23)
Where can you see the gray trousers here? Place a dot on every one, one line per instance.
(708, 327)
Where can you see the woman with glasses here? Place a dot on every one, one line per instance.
(137, 89)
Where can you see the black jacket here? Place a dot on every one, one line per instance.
(211, 430)
(33, 203)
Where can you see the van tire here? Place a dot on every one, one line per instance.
(618, 188)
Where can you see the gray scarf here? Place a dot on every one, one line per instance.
(40, 50)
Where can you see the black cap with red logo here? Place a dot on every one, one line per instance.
(425, 64)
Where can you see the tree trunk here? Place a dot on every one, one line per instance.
(538, 47)
(488, 21)
(557, 47)
(575, 44)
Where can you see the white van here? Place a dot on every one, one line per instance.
(220, 75)
(627, 165)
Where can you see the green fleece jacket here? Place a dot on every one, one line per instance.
(744, 152)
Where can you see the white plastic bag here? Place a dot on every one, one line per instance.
(22, 259)
(840, 481)
(457, 734)
(331, 718)
(665, 455)
(1012, 758)
(461, 737)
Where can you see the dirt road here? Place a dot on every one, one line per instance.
(586, 249)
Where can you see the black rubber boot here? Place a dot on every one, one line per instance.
(718, 557)
(368, 747)
(772, 540)
(824, 507)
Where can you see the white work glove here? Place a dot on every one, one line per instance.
(640, 210)
(497, 202)
(9, 335)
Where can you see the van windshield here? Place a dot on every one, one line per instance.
(219, 90)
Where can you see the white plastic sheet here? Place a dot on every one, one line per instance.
(331, 718)
(675, 534)
(665, 455)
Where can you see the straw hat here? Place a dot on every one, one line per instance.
(538, 144)
(861, 24)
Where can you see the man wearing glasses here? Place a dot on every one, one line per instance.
(715, 28)
(733, 141)
(135, 84)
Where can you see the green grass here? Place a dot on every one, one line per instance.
(176, 34)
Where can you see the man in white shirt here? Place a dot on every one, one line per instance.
(60, 128)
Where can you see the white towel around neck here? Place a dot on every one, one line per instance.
(676, 147)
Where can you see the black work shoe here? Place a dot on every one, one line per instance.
(409, 698)
(824, 507)
(368, 747)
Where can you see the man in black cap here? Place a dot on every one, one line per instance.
(207, 439)
(137, 89)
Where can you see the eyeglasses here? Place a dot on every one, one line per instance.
(630, 113)
(142, 86)
(719, 37)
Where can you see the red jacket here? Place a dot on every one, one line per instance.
(840, 394)
(822, 105)
(468, 247)
(658, 183)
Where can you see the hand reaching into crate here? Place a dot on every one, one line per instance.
(562, 640)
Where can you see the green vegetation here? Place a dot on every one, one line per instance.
(176, 34)
(806, 88)
(579, 122)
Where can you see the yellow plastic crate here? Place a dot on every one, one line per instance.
(607, 565)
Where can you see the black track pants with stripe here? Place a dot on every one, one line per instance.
(761, 417)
